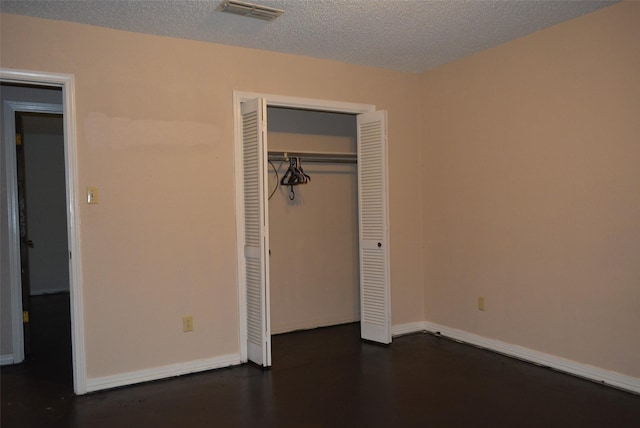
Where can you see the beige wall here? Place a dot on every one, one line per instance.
(313, 238)
(532, 191)
(154, 123)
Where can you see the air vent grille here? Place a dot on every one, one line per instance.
(250, 10)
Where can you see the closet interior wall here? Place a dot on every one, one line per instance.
(314, 268)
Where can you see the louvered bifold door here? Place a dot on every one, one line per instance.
(375, 305)
(255, 229)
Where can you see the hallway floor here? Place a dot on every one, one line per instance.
(320, 378)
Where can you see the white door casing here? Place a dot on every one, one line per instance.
(375, 296)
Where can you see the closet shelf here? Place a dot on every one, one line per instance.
(309, 156)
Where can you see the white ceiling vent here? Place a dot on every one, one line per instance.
(251, 10)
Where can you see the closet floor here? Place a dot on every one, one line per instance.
(329, 378)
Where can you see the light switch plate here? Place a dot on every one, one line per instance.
(92, 195)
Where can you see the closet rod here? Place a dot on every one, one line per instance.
(307, 156)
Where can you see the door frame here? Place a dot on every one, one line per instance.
(272, 101)
(67, 84)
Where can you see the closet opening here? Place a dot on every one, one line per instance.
(313, 219)
(259, 118)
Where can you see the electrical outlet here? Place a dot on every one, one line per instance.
(481, 303)
(187, 323)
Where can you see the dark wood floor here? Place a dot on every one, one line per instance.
(320, 378)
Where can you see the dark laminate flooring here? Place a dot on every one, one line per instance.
(320, 378)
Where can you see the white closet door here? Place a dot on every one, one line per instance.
(375, 305)
(256, 240)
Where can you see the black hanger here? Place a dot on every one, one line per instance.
(294, 176)
(301, 171)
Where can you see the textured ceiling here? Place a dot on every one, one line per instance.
(407, 35)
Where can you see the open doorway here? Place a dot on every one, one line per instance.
(41, 97)
(44, 253)
(313, 228)
(36, 188)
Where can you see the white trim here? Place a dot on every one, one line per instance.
(585, 371)
(408, 328)
(6, 359)
(28, 106)
(156, 373)
(304, 103)
(67, 83)
(272, 101)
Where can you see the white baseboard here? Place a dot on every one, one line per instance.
(130, 378)
(6, 359)
(412, 327)
(586, 371)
